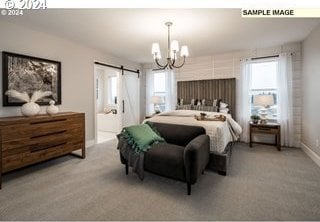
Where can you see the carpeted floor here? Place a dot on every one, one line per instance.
(263, 184)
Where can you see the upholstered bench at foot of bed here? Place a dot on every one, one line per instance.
(184, 156)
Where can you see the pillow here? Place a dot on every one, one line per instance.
(199, 108)
(224, 110)
(204, 108)
(209, 109)
(224, 105)
(215, 103)
(180, 102)
(140, 137)
(186, 107)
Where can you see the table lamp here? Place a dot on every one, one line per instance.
(265, 101)
(156, 100)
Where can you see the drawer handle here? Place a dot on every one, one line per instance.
(49, 134)
(40, 148)
(264, 129)
(48, 121)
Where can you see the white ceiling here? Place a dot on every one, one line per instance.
(129, 33)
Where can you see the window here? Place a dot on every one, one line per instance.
(263, 87)
(113, 90)
(159, 82)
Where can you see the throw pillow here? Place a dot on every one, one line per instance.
(140, 137)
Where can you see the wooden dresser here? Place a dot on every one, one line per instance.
(29, 140)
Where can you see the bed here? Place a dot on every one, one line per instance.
(222, 135)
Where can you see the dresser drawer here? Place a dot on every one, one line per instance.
(22, 145)
(20, 132)
(262, 129)
(41, 142)
(40, 128)
(19, 160)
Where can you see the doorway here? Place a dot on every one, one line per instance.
(116, 101)
(108, 122)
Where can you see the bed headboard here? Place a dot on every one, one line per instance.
(209, 89)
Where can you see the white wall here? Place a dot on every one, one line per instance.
(311, 91)
(143, 86)
(77, 67)
(227, 65)
(100, 100)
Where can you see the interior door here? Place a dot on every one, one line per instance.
(130, 102)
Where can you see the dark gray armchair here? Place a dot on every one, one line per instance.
(183, 157)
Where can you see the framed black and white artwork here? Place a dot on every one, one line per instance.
(28, 74)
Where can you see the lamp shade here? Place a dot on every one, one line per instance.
(155, 49)
(184, 51)
(175, 46)
(263, 100)
(156, 100)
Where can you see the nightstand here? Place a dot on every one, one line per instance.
(269, 128)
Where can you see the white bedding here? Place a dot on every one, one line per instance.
(220, 133)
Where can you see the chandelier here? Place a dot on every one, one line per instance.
(172, 52)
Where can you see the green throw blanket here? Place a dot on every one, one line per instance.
(140, 137)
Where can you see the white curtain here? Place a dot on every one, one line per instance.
(244, 87)
(171, 91)
(149, 91)
(285, 106)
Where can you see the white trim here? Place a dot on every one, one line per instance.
(315, 157)
(95, 103)
(90, 143)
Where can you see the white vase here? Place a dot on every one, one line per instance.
(52, 109)
(30, 109)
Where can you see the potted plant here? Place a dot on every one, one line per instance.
(255, 119)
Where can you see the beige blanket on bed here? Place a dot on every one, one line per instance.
(220, 133)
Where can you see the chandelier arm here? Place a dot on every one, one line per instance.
(174, 59)
(159, 65)
(166, 66)
(184, 60)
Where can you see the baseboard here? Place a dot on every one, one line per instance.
(89, 143)
(315, 157)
